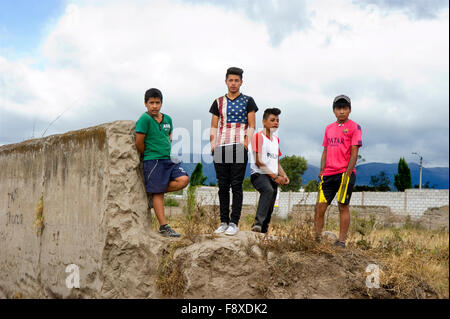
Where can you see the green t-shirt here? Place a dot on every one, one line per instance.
(157, 141)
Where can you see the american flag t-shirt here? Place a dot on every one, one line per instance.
(233, 119)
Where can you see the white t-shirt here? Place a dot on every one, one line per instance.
(270, 150)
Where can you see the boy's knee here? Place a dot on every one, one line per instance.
(236, 186)
(184, 180)
(344, 209)
(321, 208)
(268, 191)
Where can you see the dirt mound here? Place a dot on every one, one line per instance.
(236, 267)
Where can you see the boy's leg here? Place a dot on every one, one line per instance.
(178, 177)
(177, 184)
(319, 213)
(223, 175)
(344, 196)
(240, 158)
(265, 226)
(344, 221)
(158, 206)
(262, 184)
(328, 187)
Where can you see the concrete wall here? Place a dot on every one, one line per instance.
(95, 215)
(413, 202)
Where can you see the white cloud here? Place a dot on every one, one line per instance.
(101, 57)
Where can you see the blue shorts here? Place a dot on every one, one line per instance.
(159, 173)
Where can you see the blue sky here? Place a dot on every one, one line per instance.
(23, 23)
(92, 61)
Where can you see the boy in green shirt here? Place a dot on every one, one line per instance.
(161, 175)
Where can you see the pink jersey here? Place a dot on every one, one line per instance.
(338, 140)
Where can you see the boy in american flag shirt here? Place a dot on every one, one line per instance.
(232, 127)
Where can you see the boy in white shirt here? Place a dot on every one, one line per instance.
(266, 171)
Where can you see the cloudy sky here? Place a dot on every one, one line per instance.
(89, 62)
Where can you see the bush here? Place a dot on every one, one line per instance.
(171, 202)
(247, 185)
(312, 186)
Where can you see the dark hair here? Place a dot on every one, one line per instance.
(153, 93)
(234, 71)
(274, 111)
(342, 101)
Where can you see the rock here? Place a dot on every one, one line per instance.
(329, 236)
(257, 251)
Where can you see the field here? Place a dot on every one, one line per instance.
(413, 262)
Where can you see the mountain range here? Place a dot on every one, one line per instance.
(437, 177)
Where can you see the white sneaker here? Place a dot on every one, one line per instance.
(232, 229)
(222, 228)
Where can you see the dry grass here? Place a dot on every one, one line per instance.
(171, 281)
(414, 263)
(39, 217)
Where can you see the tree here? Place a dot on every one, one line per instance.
(364, 188)
(197, 177)
(247, 185)
(402, 180)
(380, 182)
(426, 185)
(312, 186)
(294, 166)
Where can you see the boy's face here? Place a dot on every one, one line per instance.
(153, 105)
(342, 113)
(272, 122)
(233, 83)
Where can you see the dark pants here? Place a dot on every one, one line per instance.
(230, 163)
(268, 194)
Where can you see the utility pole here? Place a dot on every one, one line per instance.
(420, 175)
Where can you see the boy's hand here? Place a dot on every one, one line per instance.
(286, 180)
(349, 172)
(320, 174)
(279, 180)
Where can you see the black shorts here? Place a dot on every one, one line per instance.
(332, 184)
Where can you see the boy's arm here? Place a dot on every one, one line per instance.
(140, 145)
(263, 167)
(282, 173)
(213, 131)
(323, 162)
(353, 159)
(250, 129)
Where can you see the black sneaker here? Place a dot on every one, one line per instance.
(256, 228)
(339, 244)
(167, 231)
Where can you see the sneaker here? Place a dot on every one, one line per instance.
(222, 228)
(339, 244)
(167, 231)
(232, 229)
(256, 228)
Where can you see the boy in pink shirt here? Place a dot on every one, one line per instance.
(337, 167)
